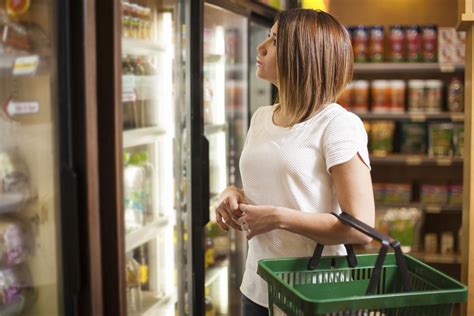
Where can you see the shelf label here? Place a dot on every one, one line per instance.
(15, 108)
(25, 65)
(434, 209)
(417, 117)
(444, 161)
(447, 67)
(414, 160)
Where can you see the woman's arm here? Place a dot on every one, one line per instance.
(353, 187)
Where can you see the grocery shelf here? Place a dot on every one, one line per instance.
(213, 129)
(213, 58)
(141, 136)
(415, 160)
(406, 67)
(428, 208)
(413, 116)
(151, 304)
(140, 47)
(213, 273)
(143, 235)
(452, 258)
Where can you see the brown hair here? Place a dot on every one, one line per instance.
(314, 61)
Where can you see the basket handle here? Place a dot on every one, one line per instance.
(386, 242)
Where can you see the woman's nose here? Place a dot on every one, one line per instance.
(261, 50)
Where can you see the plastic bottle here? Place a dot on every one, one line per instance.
(134, 294)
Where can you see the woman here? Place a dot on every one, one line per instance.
(304, 157)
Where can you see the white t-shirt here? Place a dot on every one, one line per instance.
(289, 167)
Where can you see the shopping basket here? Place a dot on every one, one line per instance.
(373, 284)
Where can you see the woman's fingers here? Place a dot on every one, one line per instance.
(220, 223)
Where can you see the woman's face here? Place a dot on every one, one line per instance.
(266, 57)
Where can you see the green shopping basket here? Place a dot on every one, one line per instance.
(374, 284)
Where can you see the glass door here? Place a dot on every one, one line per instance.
(30, 191)
(150, 30)
(225, 124)
(260, 90)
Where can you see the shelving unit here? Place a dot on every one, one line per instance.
(415, 160)
(141, 136)
(413, 116)
(365, 68)
(214, 273)
(428, 208)
(143, 235)
(140, 47)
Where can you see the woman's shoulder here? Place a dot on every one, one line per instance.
(261, 113)
(339, 116)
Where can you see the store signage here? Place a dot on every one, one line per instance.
(14, 108)
(25, 65)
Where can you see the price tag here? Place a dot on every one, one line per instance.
(447, 67)
(25, 65)
(417, 117)
(414, 160)
(444, 161)
(15, 108)
(434, 209)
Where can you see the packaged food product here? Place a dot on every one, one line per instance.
(434, 194)
(413, 40)
(430, 43)
(440, 139)
(431, 243)
(360, 42)
(397, 43)
(455, 194)
(397, 193)
(433, 95)
(404, 225)
(397, 96)
(16, 288)
(413, 138)
(447, 242)
(381, 137)
(360, 96)
(379, 192)
(379, 90)
(15, 242)
(458, 140)
(376, 43)
(455, 95)
(416, 95)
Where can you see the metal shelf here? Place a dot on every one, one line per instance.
(415, 160)
(430, 258)
(428, 208)
(141, 136)
(143, 235)
(406, 67)
(413, 116)
(140, 47)
(213, 273)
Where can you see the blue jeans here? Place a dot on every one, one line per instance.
(250, 308)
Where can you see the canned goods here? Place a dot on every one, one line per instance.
(433, 95)
(380, 96)
(360, 43)
(397, 95)
(413, 40)
(430, 43)
(416, 95)
(360, 96)
(397, 42)
(376, 43)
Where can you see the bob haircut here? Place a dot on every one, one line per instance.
(314, 61)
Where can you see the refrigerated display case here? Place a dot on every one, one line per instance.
(44, 163)
(225, 111)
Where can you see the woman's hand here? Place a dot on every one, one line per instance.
(227, 209)
(258, 219)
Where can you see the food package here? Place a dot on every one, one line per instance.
(404, 225)
(16, 242)
(16, 290)
(413, 138)
(434, 194)
(381, 137)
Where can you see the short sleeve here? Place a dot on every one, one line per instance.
(344, 137)
(255, 120)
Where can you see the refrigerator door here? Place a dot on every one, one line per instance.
(225, 122)
(260, 93)
(151, 83)
(37, 182)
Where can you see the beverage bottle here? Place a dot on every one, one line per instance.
(141, 93)
(208, 306)
(143, 260)
(134, 294)
(209, 253)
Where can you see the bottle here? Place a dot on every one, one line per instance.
(209, 253)
(134, 294)
(208, 306)
(142, 255)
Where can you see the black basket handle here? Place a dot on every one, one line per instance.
(386, 242)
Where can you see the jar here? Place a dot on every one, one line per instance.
(430, 43)
(376, 43)
(413, 40)
(397, 95)
(416, 95)
(360, 43)
(379, 91)
(360, 96)
(433, 95)
(397, 43)
(455, 95)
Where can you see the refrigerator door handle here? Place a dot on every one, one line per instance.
(205, 179)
